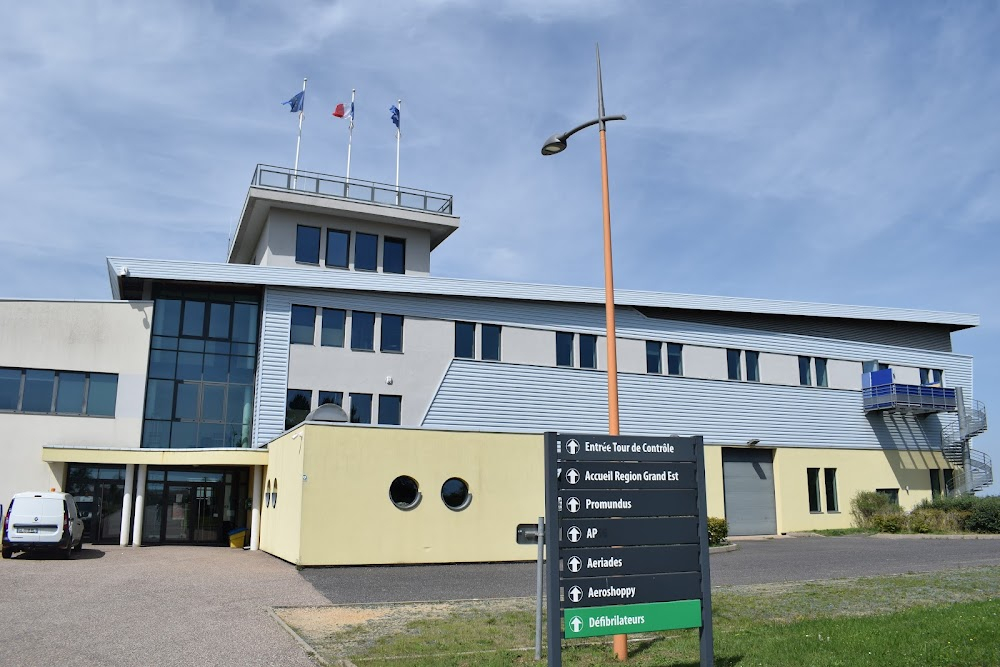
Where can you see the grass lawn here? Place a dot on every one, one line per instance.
(947, 618)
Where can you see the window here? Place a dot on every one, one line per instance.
(303, 324)
(392, 333)
(653, 351)
(58, 392)
(389, 409)
(338, 245)
(830, 478)
(805, 371)
(69, 393)
(588, 351)
(38, 387)
(733, 364)
(949, 479)
(307, 244)
(365, 252)
(297, 407)
(821, 378)
(814, 502)
(10, 388)
(362, 330)
(564, 348)
(361, 408)
(336, 397)
(753, 366)
(675, 360)
(334, 325)
(932, 376)
(891, 494)
(394, 255)
(935, 482)
(455, 494)
(490, 342)
(465, 340)
(404, 492)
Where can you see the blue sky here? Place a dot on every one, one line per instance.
(841, 152)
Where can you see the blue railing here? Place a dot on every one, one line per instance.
(909, 398)
(356, 189)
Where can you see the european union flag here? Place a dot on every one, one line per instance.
(394, 110)
(297, 103)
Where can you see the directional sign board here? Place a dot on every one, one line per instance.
(626, 537)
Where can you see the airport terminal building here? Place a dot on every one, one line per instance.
(176, 410)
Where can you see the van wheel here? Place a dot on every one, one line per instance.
(68, 553)
(7, 553)
(79, 546)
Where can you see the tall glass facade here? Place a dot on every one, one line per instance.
(202, 362)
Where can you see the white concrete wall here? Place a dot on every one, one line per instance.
(279, 237)
(528, 346)
(844, 374)
(97, 337)
(906, 374)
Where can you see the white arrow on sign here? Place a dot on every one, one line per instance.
(575, 594)
(573, 505)
(576, 623)
(573, 447)
(575, 564)
(572, 476)
(574, 534)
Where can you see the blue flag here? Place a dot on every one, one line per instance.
(297, 103)
(395, 115)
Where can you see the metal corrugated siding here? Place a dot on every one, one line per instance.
(900, 334)
(272, 368)
(630, 324)
(378, 282)
(509, 397)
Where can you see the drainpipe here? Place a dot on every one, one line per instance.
(258, 473)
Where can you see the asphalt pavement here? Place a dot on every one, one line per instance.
(755, 562)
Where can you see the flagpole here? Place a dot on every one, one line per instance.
(399, 105)
(298, 142)
(350, 136)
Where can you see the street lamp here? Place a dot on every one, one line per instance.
(557, 144)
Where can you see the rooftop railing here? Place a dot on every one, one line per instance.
(355, 189)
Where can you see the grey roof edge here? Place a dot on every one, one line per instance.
(410, 284)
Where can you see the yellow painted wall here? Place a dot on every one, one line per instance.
(334, 507)
(857, 470)
(347, 516)
(281, 524)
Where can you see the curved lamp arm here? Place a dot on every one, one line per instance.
(557, 142)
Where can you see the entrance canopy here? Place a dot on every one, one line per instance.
(156, 457)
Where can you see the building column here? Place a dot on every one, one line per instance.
(258, 482)
(127, 504)
(140, 493)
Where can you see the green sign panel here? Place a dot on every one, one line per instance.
(630, 618)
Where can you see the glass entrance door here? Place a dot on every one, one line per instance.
(193, 513)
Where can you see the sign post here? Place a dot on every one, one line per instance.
(626, 530)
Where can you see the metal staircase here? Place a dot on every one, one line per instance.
(976, 467)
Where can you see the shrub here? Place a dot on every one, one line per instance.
(867, 504)
(888, 522)
(984, 516)
(718, 531)
(929, 520)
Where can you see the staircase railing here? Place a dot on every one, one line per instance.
(977, 476)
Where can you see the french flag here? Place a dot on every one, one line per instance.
(344, 111)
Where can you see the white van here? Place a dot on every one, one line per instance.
(42, 521)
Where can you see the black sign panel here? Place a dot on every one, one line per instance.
(629, 560)
(627, 532)
(596, 475)
(627, 503)
(589, 447)
(602, 591)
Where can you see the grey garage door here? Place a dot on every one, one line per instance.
(748, 480)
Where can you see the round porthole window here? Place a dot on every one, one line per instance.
(455, 494)
(404, 492)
